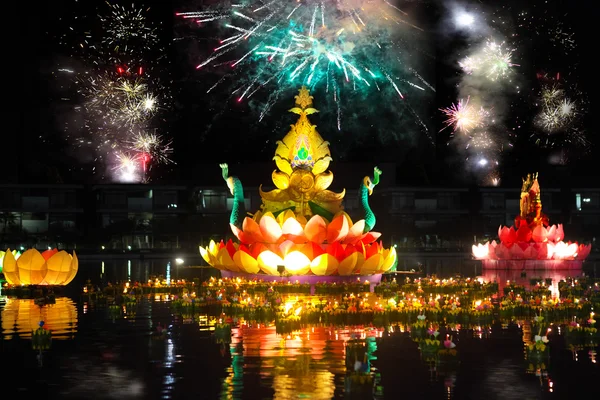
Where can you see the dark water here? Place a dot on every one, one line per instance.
(98, 356)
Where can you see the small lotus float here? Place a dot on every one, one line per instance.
(52, 267)
(532, 238)
(301, 228)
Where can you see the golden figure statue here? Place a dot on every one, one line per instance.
(531, 201)
(302, 159)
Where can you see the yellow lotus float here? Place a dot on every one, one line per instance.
(16, 254)
(52, 267)
(21, 317)
(301, 225)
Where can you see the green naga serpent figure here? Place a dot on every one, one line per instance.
(238, 211)
(365, 190)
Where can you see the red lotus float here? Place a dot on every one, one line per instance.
(532, 238)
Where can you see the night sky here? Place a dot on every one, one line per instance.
(41, 152)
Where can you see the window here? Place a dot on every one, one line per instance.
(115, 200)
(403, 201)
(493, 201)
(214, 201)
(587, 201)
(448, 201)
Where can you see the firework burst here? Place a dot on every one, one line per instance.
(465, 117)
(343, 47)
(152, 145)
(493, 60)
(127, 32)
(560, 111)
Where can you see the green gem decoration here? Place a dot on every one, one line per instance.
(302, 153)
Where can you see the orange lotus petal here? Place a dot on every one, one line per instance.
(337, 229)
(286, 247)
(347, 265)
(371, 264)
(58, 268)
(270, 229)
(245, 262)
(256, 249)
(73, 270)
(372, 249)
(293, 231)
(242, 236)
(370, 237)
(325, 264)
(268, 262)
(49, 253)
(32, 267)
(316, 229)
(355, 232)
(296, 263)
(252, 229)
(224, 260)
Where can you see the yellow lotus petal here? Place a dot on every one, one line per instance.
(268, 262)
(296, 263)
(337, 229)
(225, 260)
(59, 268)
(348, 264)
(301, 220)
(73, 268)
(389, 260)
(323, 181)
(245, 262)
(371, 264)
(32, 267)
(284, 165)
(10, 270)
(270, 229)
(213, 248)
(316, 229)
(321, 165)
(325, 264)
(355, 233)
(257, 216)
(281, 180)
(360, 260)
(204, 254)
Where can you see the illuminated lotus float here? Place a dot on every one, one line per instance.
(531, 243)
(51, 267)
(301, 230)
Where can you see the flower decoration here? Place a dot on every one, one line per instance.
(531, 238)
(301, 225)
(52, 267)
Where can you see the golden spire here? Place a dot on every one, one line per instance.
(302, 158)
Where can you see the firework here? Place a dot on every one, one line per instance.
(127, 32)
(465, 117)
(338, 46)
(493, 61)
(559, 117)
(153, 146)
(119, 99)
(127, 167)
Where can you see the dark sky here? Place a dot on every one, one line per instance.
(40, 152)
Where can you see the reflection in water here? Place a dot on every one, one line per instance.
(21, 317)
(517, 277)
(303, 366)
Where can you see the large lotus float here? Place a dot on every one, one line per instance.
(531, 243)
(301, 230)
(52, 267)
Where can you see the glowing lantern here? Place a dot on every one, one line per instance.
(532, 238)
(52, 267)
(301, 225)
(23, 316)
(16, 254)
